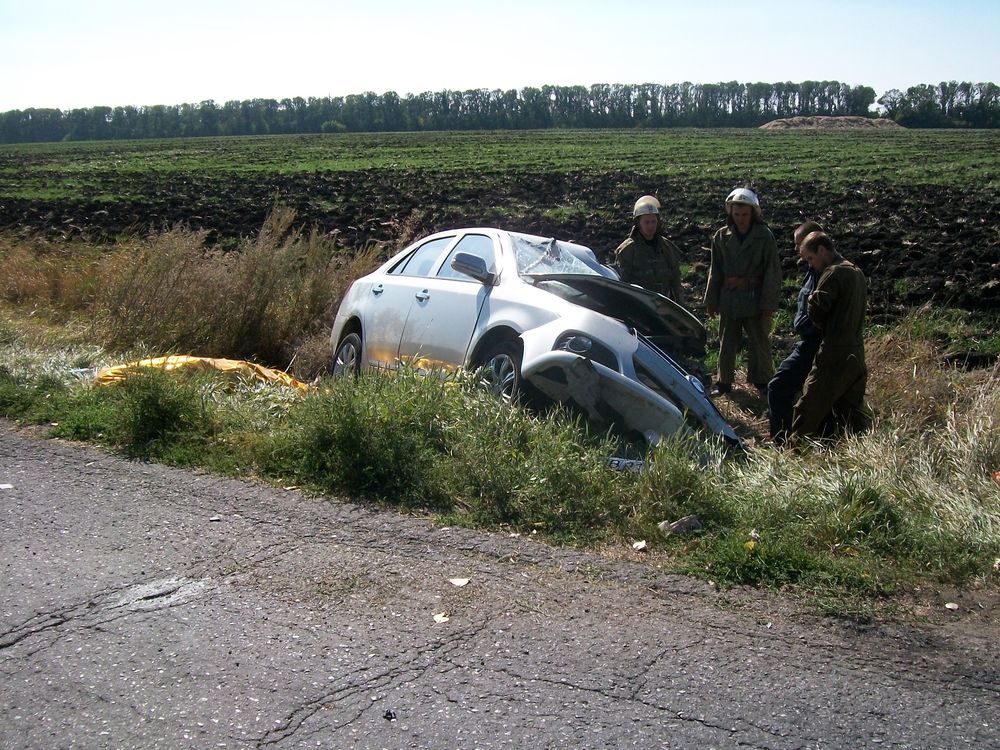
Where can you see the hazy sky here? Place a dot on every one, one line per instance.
(116, 52)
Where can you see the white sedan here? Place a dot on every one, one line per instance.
(536, 310)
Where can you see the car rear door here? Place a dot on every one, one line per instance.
(446, 308)
(391, 297)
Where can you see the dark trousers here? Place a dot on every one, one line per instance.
(783, 388)
(834, 390)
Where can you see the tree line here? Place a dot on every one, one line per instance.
(649, 105)
(947, 105)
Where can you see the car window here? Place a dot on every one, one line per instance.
(421, 261)
(473, 244)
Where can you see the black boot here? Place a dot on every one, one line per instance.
(721, 389)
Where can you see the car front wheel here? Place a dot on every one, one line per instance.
(347, 360)
(501, 369)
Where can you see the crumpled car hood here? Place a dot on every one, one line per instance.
(672, 327)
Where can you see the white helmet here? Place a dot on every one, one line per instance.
(745, 196)
(647, 204)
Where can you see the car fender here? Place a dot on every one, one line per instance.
(685, 397)
(349, 308)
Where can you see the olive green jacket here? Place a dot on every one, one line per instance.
(837, 306)
(744, 278)
(652, 265)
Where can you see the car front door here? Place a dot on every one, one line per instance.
(391, 298)
(445, 310)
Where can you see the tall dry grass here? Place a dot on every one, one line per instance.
(62, 277)
(919, 483)
(271, 300)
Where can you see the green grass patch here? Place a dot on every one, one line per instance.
(953, 330)
(446, 445)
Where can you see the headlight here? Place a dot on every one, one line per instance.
(584, 346)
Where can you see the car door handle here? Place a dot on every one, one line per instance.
(378, 289)
(423, 295)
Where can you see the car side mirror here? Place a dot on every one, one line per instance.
(474, 266)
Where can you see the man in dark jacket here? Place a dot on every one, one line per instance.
(788, 379)
(647, 258)
(836, 383)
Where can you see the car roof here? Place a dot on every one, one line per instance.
(497, 231)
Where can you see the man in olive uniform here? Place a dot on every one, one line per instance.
(836, 383)
(744, 281)
(647, 258)
(784, 387)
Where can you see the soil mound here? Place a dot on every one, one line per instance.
(830, 123)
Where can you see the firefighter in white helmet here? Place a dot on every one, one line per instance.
(647, 258)
(744, 283)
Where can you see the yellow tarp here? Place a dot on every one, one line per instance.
(117, 373)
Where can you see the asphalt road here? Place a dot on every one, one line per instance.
(149, 607)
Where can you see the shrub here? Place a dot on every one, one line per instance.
(374, 437)
(38, 399)
(272, 299)
(153, 415)
(546, 473)
(681, 479)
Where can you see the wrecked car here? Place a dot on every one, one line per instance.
(532, 313)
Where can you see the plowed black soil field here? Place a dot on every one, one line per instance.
(918, 212)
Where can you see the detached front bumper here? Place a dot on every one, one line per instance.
(604, 395)
(651, 395)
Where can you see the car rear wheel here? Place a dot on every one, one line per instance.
(501, 369)
(347, 360)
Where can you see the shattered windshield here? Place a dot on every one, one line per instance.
(540, 257)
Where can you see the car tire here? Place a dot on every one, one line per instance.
(347, 360)
(500, 367)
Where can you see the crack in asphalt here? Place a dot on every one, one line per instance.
(615, 696)
(612, 694)
(120, 602)
(293, 725)
(60, 617)
(407, 670)
(13, 637)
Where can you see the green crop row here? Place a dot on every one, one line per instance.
(838, 158)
